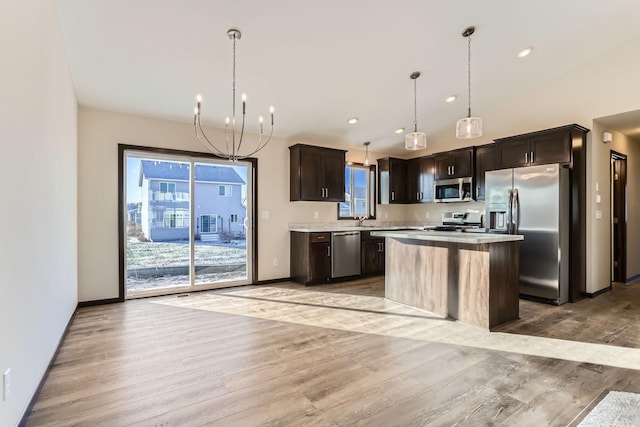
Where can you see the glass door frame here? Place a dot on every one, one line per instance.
(192, 157)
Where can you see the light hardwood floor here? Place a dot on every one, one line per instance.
(335, 355)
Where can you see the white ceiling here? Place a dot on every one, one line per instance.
(320, 62)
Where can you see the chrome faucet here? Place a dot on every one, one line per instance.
(361, 219)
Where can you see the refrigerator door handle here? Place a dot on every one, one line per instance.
(510, 212)
(516, 211)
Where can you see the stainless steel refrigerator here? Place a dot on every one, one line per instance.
(534, 201)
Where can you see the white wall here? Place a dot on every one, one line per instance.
(100, 132)
(38, 253)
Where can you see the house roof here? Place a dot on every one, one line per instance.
(174, 171)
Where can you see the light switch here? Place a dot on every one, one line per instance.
(598, 214)
(598, 198)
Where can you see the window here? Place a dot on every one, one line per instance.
(208, 223)
(359, 182)
(224, 190)
(234, 217)
(167, 187)
(176, 218)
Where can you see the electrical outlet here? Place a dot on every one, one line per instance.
(275, 262)
(598, 214)
(316, 215)
(6, 384)
(265, 214)
(426, 215)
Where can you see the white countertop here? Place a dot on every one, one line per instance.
(325, 229)
(449, 236)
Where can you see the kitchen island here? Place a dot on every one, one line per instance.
(471, 277)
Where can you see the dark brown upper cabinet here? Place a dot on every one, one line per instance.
(420, 176)
(392, 178)
(539, 148)
(487, 159)
(454, 164)
(316, 174)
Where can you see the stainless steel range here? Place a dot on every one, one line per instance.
(460, 221)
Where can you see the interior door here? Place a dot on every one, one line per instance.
(618, 217)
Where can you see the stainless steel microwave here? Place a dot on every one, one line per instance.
(453, 190)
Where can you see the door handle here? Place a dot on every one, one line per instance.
(516, 211)
(510, 212)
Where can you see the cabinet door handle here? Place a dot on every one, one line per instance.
(526, 158)
(393, 195)
(532, 160)
(328, 251)
(453, 169)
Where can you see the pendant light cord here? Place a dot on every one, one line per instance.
(415, 105)
(234, 79)
(469, 75)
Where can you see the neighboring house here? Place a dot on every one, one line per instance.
(164, 215)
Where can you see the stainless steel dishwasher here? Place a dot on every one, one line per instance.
(345, 253)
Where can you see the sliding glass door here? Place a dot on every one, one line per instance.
(187, 223)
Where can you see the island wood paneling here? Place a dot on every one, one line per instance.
(474, 283)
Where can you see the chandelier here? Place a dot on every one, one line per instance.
(415, 140)
(469, 127)
(233, 143)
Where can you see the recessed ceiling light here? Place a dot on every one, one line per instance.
(451, 98)
(525, 52)
(399, 130)
(352, 120)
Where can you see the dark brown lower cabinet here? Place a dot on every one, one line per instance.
(371, 254)
(310, 257)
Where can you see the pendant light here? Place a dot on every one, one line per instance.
(469, 127)
(415, 140)
(366, 153)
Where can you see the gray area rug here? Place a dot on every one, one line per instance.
(618, 408)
